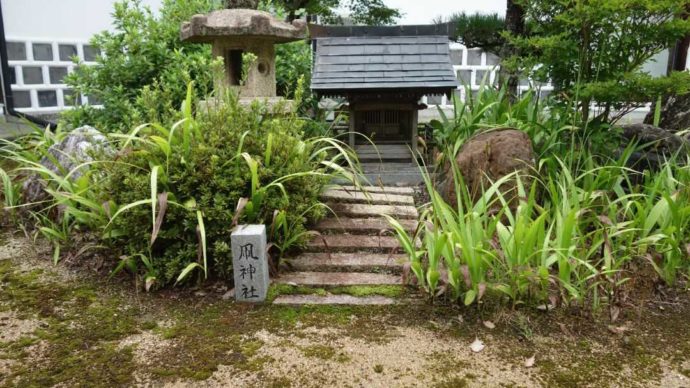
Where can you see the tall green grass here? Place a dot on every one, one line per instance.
(573, 230)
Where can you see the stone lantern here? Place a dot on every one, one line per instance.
(235, 33)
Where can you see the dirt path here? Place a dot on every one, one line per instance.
(64, 328)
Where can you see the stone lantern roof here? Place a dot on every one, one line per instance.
(227, 23)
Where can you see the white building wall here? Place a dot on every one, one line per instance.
(42, 36)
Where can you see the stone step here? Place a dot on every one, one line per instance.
(378, 189)
(361, 225)
(403, 179)
(356, 210)
(348, 262)
(391, 157)
(299, 300)
(361, 197)
(337, 243)
(337, 279)
(389, 167)
(382, 147)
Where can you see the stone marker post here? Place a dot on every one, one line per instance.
(249, 263)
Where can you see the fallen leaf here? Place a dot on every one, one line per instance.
(545, 307)
(615, 312)
(229, 294)
(489, 325)
(481, 291)
(565, 330)
(150, 280)
(617, 329)
(477, 346)
(529, 362)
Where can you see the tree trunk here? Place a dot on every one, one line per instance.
(678, 55)
(515, 25)
(250, 4)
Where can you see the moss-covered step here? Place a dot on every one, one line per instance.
(357, 210)
(352, 243)
(346, 196)
(297, 300)
(377, 189)
(337, 279)
(348, 262)
(361, 225)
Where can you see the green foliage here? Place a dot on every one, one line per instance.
(293, 61)
(367, 12)
(144, 67)
(478, 30)
(167, 204)
(585, 47)
(490, 108)
(576, 230)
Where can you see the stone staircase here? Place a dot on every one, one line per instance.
(388, 165)
(352, 248)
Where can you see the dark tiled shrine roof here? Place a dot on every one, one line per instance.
(382, 63)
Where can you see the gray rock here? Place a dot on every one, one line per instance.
(486, 158)
(79, 146)
(675, 114)
(656, 146)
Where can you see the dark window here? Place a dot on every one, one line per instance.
(21, 98)
(91, 53)
(456, 57)
(95, 100)
(479, 77)
(57, 74)
(233, 66)
(16, 51)
(13, 75)
(67, 51)
(474, 57)
(32, 75)
(435, 100)
(43, 52)
(492, 59)
(70, 98)
(465, 76)
(47, 98)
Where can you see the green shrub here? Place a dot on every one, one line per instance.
(144, 68)
(594, 51)
(167, 202)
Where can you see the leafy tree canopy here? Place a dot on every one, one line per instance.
(367, 12)
(593, 50)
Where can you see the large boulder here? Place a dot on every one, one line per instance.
(675, 114)
(656, 146)
(79, 146)
(487, 157)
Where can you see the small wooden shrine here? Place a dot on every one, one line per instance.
(383, 72)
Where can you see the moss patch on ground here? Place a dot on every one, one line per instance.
(391, 291)
(82, 326)
(78, 330)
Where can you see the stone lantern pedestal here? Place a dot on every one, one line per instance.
(245, 39)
